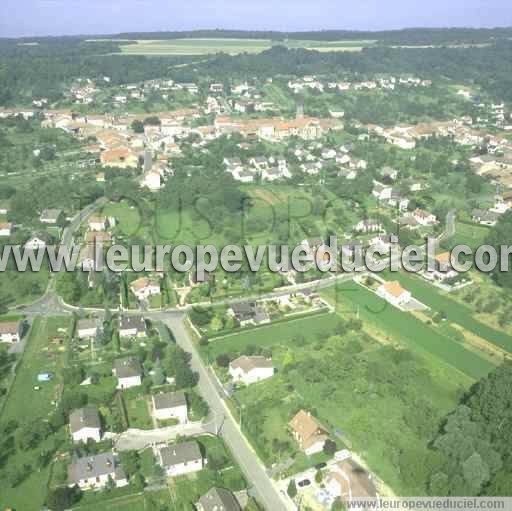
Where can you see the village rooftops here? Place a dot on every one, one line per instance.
(247, 364)
(86, 417)
(127, 367)
(169, 400)
(176, 454)
(98, 465)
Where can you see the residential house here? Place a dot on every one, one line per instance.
(35, 243)
(250, 370)
(381, 191)
(394, 293)
(121, 157)
(424, 217)
(180, 459)
(170, 405)
(367, 225)
(98, 223)
(444, 267)
(218, 499)
(5, 229)
(87, 328)
(128, 371)
(308, 432)
(484, 217)
(388, 173)
(132, 326)
(50, 216)
(95, 471)
(145, 287)
(85, 424)
(349, 481)
(247, 313)
(10, 331)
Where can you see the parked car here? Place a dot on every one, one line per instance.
(304, 483)
(320, 466)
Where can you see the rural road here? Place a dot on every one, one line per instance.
(247, 459)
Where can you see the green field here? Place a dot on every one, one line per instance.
(271, 335)
(454, 311)
(28, 406)
(404, 328)
(231, 46)
(472, 235)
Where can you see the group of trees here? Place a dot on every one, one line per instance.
(473, 449)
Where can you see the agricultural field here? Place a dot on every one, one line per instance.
(453, 311)
(209, 46)
(437, 343)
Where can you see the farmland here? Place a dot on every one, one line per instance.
(454, 311)
(398, 326)
(209, 46)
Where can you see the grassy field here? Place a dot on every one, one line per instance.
(280, 334)
(404, 328)
(27, 405)
(472, 235)
(454, 311)
(365, 393)
(209, 46)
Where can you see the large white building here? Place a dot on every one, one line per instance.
(250, 370)
(170, 405)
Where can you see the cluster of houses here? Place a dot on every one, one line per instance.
(268, 169)
(311, 82)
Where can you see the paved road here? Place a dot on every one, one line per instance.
(248, 460)
(137, 439)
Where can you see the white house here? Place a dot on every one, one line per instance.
(128, 371)
(35, 243)
(367, 225)
(144, 287)
(444, 268)
(424, 217)
(250, 370)
(394, 293)
(87, 328)
(180, 459)
(98, 223)
(50, 216)
(85, 424)
(9, 331)
(5, 229)
(94, 472)
(170, 405)
(381, 191)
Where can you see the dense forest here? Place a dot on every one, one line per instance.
(42, 70)
(472, 452)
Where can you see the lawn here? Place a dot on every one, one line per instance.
(270, 335)
(138, 412)
(404, 328)
(27, 405)
(455, 312)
